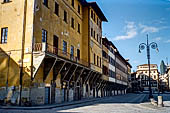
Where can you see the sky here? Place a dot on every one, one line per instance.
(129, 21)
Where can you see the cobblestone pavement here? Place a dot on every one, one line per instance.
(130, 103)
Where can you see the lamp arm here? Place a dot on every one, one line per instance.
(142, 44)
(155, 44)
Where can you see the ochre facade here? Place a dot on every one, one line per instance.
(53, 49)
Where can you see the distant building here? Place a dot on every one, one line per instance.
(168, 78)
(115, 69)
(164, 80)
(162, 67)
(134, 86)
(142, 75)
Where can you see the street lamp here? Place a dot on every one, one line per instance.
(142, 46)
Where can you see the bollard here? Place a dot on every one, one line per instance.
(153, 102)
(160, 101)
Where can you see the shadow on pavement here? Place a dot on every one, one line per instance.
(121, 99)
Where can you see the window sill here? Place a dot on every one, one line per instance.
(96, 65)
(65, 21)
(3, 43)
(6, 2)
(56, 14)
(46, 6)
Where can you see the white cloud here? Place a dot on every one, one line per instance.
(158, 39)
(148, 29)
(159, 21)
(135, 61)
(131, 32)
(168, 41)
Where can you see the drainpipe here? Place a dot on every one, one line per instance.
(22, 51)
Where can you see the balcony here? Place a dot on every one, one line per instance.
(50, 49)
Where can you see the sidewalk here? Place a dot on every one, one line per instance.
(149, 105)
(50, 106)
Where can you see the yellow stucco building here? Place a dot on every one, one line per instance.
(50, 49)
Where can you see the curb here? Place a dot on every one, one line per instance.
(49, 107)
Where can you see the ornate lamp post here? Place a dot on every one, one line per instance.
(142, 46)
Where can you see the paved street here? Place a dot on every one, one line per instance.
(130, 103)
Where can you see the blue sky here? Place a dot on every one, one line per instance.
(128, 23)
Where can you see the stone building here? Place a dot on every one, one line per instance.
(142, 74)
(115, 69)
(92, 44)
(51, 51)
(164, 80)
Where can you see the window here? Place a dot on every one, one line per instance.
(94, 17)
(91, 32)
(97, 21)
(100, 24)
(105, 70)
(4, 35)
(100, 62)
(78, 28)
(105, 54)
(44, 35)
(72, 22)
(72, 52)
(79, 9)
(78, 54)
(92, 14)
(111, 49)
(154, 76)
(72, 3)
(100, 40)
(97, 60)
(55, 44)
(65, 16)
(97, 37)
(64, 46)
(45, 2)
(56, 8)
(94, 58)
(6, 1)
(94, 34)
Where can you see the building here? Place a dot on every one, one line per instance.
(51, 52)
(164, 78)
(49, 58)
(162, 68)
(122, 69)
(92, 43)
(168, 78)
(142, 75)
(134, 85)
(115, 69)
